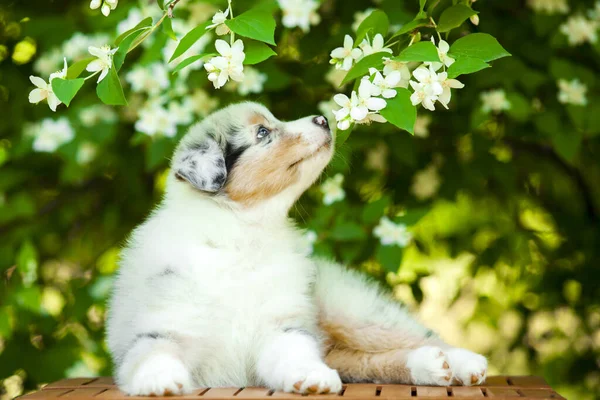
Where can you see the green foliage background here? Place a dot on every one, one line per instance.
(505, 261)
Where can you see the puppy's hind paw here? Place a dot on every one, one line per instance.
(429, 365)
(468, 368)
(159, 375)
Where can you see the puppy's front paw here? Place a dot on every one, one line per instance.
(159, 375)
(317, 378)
(468, 368)
(429, 365)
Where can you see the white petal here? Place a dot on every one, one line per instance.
(365, 89)
(338, 53)
(421, 74)
(356, 53)
(348, 42)
(222, 29)
(222, 47)
(95, 66)
(341, 99)
(378, 41)
(347, 64)
(389, 93)
(223, 77)
(96, 51)
(455, 84)
(238, 46)
(428, 104)
(39, 82)
(376, 104)
(53, 101)
(344, 124)
(443, 46)
(415, 98)
(103, 74)
(393, 78)
(37, 95)
(444, 98)
(358, 113)
(105, 10)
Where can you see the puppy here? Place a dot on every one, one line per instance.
(215, 289)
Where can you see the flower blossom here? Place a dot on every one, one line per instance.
(389, 66)
(43, 90)
(154, 119)
(299, 13)
(253, 81)
(103, 62)
(549, 6)
(390, 233)
(332, 189)
(51, 134)
(442, 48)
(359, 106)
(344, 57)
(227, 65)
(106, 6)
(495, 101)
(579, 30)
(572, 92)
(150, 79)
(218, 22)
(427, 89)
(376, 46)
(425, 183)
(384, 86)
(422, 126)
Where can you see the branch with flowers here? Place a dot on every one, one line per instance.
(392, 77)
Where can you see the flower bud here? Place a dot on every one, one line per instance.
(95, 4)
(475, 19)
(105, 9)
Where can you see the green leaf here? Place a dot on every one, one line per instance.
(348, 231)
(389, 257)
(412, 216)
(109, 90)
(167, 28)
(567, 144)
(189, 39)
(66, 89)
(257, 52)
(161, 4)
(341, 136)
(376, 22)
(466, 65)
(78, 67)
(400, 111)
(373, 211)
(422, 13)
(361, 68)
(119, 57)
(5, 325)
(189, 61)
(478, 45)
(454, 16)
(27, 263)
(256, 24)
(29, 298)
(412, 25)
(421, 51)
(142, 25)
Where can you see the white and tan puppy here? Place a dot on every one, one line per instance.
(215, 289)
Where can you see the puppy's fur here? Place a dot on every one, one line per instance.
(214, 288)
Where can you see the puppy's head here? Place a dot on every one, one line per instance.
(245, 154)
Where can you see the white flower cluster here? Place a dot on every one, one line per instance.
(218, 23)
(426, 182)
(363, 106)
(549, 6)
(105, 6)
(299, 13)
(332, 189)
(50, 134)
(43, 90)
(572, 92)
(578, 29)
(229, 63)
(494, 101)
(75, 49)
(390, 233)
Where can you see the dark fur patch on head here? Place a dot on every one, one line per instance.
(232, 155)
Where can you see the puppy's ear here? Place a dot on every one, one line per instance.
(202, 164)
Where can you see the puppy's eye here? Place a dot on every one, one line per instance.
(262, 132)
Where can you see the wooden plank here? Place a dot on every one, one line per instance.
(46, 394)
(495, 381)
(360, 390)
(68, 383)
(221, 393)
(395, 391)
(254, 393)
(285, 395)
(431, 391)
(528, 381)
(540, 394)
(103, 381)
(84, 392)
(466, 391)
(501, 392)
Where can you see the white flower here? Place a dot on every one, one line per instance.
(377, 157)
(253, 81)
(105, 5)
(579, 30)
(474, 19)
(572, 92)
(43, 90)
(425, 183)
(442, 49)
(358, 106)
(391, 66)
(181, 113)
(299, 13)
(76, 47)
(201, 103)
(218, 22)
(549, 6)
(151, 79)
(428, 89)
(86, 153)
(422, 125)
(332, 189)
(390, 233)
(384, 86)
(375, 47)
(103, 62)
(155, 120)
(227, 65)
(97, 113)
(52, 134)
(495, 101)
(344, 57)
(48, 62)
(447, 84)
(360, 16)
(307, 242)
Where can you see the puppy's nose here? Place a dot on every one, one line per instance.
(321, 121)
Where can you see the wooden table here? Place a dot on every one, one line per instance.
(497, 387)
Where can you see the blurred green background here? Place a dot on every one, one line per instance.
(505, 260)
